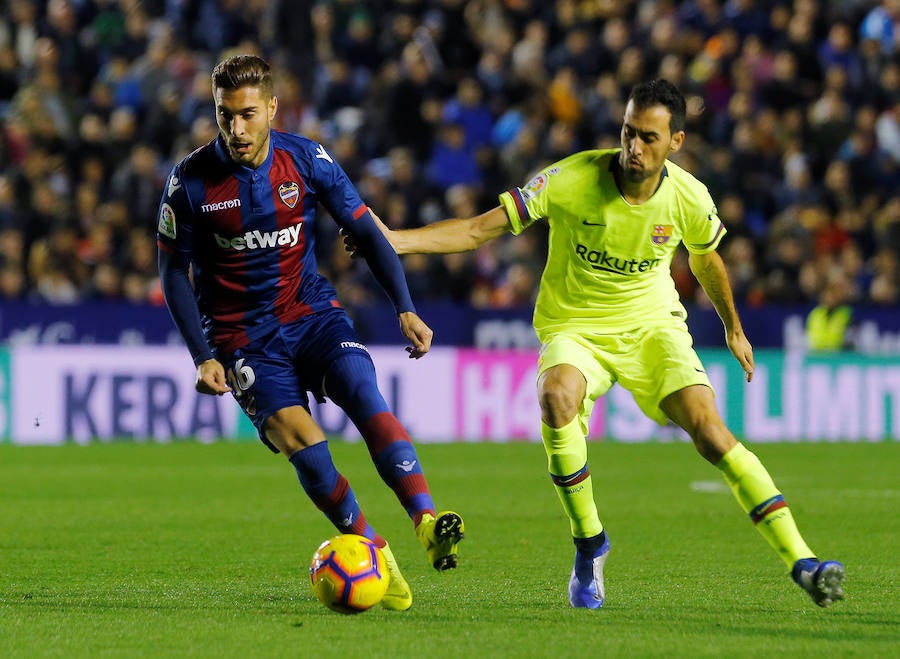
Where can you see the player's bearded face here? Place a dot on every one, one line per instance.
(245, 116)
(646, 141)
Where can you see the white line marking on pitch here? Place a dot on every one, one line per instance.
(712, 487)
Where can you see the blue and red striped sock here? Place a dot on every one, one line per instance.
(398, 463)
(330, 491)
(352, 384)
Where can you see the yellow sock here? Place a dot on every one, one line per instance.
(567, 460)
(758, 496)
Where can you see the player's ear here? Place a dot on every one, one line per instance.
(677, 141)
(273, 107)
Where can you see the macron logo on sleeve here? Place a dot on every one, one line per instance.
(322, 154)
(174, 186)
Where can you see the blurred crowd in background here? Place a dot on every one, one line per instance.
(434, 107)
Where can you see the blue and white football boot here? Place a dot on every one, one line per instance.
(586, 590)
(823, 581)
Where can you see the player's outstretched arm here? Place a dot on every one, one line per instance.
(713, 277)
(447, 236)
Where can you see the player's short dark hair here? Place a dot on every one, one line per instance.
(661, 92)
(243, 71)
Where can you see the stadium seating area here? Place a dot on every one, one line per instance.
(433, 107)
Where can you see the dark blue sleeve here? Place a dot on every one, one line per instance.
(342, 200)
(179, 294)
(383, 261)
(174, 237)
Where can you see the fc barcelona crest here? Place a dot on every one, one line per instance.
(289, 193)
(661, 234)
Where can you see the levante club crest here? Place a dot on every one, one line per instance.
(661, 234)
(289, 193)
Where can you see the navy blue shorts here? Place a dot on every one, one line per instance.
(281, 370)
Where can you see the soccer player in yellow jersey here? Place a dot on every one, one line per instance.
(608, 311)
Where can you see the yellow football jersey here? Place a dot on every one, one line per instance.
(608, 264)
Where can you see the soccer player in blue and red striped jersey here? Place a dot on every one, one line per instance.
(238, 270)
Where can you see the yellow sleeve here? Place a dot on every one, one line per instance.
(527, 205)
(511, 200)
(703, 230)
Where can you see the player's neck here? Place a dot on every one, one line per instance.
(638, 192)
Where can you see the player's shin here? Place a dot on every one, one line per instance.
(756, 492)
(567, 461)
(330, 491)
(352, 384)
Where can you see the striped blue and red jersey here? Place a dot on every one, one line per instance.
(249, 235)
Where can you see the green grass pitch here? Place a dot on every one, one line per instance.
(193, 550)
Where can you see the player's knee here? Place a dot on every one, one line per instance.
(289, 443)
(290, 430)
(559, 404)
(351, 381)
(361, 393)
(711, 437)
(561, 391)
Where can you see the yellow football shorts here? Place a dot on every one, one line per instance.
(651, 363)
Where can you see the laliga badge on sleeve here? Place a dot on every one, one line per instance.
(166, 226)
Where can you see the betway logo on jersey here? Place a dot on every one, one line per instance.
(608, 263)
(221, 205)
(261, 239)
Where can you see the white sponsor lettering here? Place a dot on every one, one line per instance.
(221, 205)
(505, 334)
(257, 239)
(353, 344)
